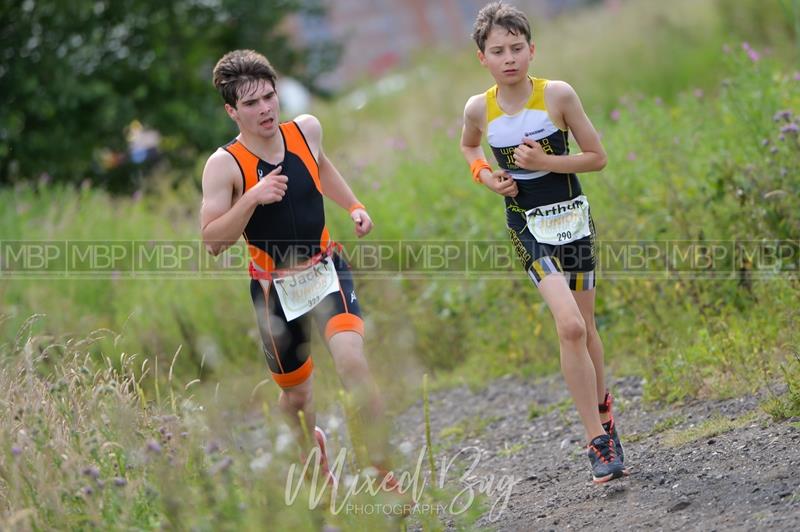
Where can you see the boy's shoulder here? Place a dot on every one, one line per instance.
(311, 128)
(475, 107)
(559, 89)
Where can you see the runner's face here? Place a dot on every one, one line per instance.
(507, 56)
(257, 110)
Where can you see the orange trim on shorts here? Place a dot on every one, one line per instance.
(293, 378)
(344, 322)
(296, 143)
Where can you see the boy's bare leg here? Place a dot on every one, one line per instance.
(585, 300)
(291, 401)
(347, 350)
(576, 364)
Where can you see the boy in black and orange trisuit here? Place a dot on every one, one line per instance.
(267, 184)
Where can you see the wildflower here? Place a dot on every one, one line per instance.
(791, 127)
(785, 115)
(765, 142)
(615, 115)
(631, 156)
(221, 466)
(153, 446)
(16, 451)
(212, 447)
(120, 482)
(87, 490)
(92, 472)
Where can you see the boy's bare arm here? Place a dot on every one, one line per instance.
(471, 134)
(333, 184)
(531, 156)
(222, 220)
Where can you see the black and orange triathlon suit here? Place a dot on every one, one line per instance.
(285, 234)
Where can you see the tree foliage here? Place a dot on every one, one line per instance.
(74, 74)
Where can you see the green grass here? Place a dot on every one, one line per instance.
(787, 405)
(709, 428)
(80, 451)
(467, 428)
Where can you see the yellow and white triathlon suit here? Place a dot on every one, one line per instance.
(549, 204)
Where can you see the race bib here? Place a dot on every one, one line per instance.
(560, 223)
(301, 291)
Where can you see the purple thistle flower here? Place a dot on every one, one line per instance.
(120, 482)
(765, 142)
(616, 114)
(92, 472)
(87, 490)
(791, 127)
(221, 466)
(153, 446)
(16, 451)
(212, 447)
(753, 55)
(746, 46)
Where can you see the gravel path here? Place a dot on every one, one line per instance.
(746, 477)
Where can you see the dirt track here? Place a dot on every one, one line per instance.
(747, 478)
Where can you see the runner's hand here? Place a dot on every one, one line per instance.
(502, 183)
(530, 155)
(271, 188)
(363, 222)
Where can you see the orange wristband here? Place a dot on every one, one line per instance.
(476, 166)
(355, 206)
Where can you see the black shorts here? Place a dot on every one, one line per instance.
(287, 344)
(576, 260)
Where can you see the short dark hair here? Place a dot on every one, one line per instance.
(237, 71)
(499, 14)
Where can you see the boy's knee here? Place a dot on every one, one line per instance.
(571, 328)
(351, 362)
(297, 398)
